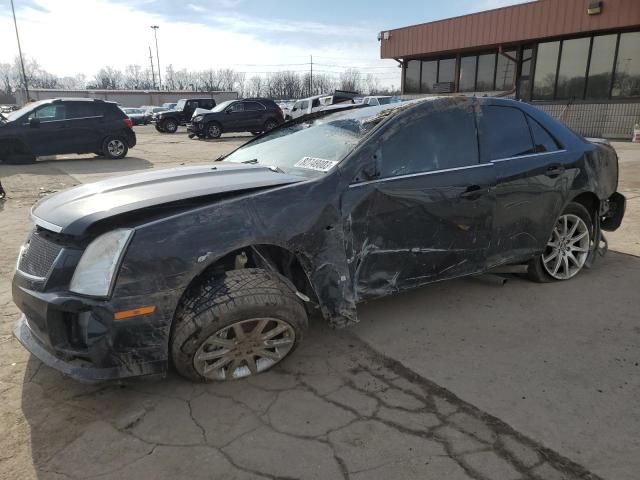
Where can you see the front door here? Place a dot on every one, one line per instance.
(429, 215)
(46, 130)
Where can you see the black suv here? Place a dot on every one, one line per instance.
(64, 126)
(255, 115)
(169, 121)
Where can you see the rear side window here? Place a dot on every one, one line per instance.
(542, 139)
(439, 140)
(253, 106)
(504, 133)
(83, 110)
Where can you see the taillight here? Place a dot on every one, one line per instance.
(128, 122)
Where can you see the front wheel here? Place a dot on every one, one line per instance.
(568, 248)
(115, 148)
(214, 130)
(236, 325)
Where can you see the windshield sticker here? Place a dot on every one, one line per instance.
(318, 164)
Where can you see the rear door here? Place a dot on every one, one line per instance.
(531, 181)
(255, 116)
(430, 214)
(84, 123)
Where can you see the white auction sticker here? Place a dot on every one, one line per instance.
(318, 164)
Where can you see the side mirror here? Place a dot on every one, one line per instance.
(294, 109)
(34, 123)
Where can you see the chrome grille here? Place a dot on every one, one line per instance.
(38, 255)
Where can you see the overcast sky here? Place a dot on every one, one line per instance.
(79, 36)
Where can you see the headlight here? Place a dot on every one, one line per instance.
(97, 267)
(197, 119)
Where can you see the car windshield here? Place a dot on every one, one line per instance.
(311, 147)
(24, 110)
(180, 105)
(384, 100)
(221, 106)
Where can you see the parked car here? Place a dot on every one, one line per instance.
(379, 100)
(215, 268)
(153, 112)
(138, 116)
(63, 126)
(170, 106)
(8, 108)
(319, 103)
(254, 115)
(169, 121)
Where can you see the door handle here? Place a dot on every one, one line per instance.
(554, 171)
(472, 192)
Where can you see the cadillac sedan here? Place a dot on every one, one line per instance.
(217, 268)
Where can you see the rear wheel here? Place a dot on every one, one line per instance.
(115, 148)
(270, 125)
(170, 125)
(236, 325)
(568, 248)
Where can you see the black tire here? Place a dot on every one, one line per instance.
(220, 301)
(214, 130)
(270, 125)
(170, 125)
(536, 270)
(115, 148)
(98, 154)
(19, 159)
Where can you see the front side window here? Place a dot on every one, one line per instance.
(627, 78)
(439, 140)
(573, 67)
(49, 113)
(545, 71)
(237, 107)
(504, 133)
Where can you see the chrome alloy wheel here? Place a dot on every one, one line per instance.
(213, 131)
(115, 147)
(244, 348)
(568, 248)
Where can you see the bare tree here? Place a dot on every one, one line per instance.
(134, 77)
(256, 86)
(372, 84)
(108, 78)
(351, 80)
(6, 78)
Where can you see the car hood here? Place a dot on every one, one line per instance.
(73, 211)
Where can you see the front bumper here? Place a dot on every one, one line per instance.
(81, 338)
(196, 128)
(75, 368)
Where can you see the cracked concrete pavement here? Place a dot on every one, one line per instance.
(348, 404)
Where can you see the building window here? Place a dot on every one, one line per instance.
(429, 76)
(603, 53)
(573, 69)
(447, 71)
(545, 74)
(412, 77)
(626, 82)
(486, 72)
(524, 88)
(506, 71)
(467, 74)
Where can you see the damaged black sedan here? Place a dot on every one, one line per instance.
(216, 268)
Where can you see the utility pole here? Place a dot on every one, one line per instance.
(153, 74)
(155, 34)
(24, 75)
(311, 78)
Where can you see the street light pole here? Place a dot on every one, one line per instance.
(24, 75)
(155, 34)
